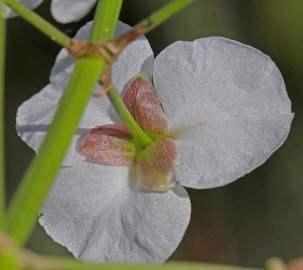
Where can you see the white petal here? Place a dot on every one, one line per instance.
(227, 104)
(35, 115)
(66, 11)
(37, 112)
(100, 213)
(136, 58)
(32, 4)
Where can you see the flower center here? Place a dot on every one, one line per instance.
(114, 144)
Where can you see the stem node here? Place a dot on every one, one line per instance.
(79, 49)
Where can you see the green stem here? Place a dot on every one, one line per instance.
(169, 266)
(127, 118)
(46, 263)
(29, 198)
(37, 21)
(106, 19)
(163, 14)
(2, 171)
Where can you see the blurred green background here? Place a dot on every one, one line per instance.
(258, 216)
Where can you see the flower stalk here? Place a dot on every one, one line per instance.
(127, 118)
(139, 135)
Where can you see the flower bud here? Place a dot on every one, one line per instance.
(155, 165)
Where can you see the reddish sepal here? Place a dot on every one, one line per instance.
(108, 144)
(142, 102)
(156, 163)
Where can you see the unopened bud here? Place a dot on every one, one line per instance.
(155, 165)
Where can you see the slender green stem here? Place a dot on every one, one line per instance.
(37, 21)
(127, 118)
(163, 14)
(2, 171)
(29, 198)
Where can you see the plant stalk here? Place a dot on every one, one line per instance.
(2, 164)
(66, 264)
(38, 179)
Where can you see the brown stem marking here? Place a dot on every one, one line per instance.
(106, 81)
(78, 49)
(117, 45)
(109, 50)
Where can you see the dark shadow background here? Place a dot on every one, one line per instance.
(258, 216)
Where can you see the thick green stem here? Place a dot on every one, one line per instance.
(37, 21)
(2, 171)
(29, 198)
(106, 19)
(127, 118)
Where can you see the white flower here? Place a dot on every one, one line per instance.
(228, 110)
(64, 11)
